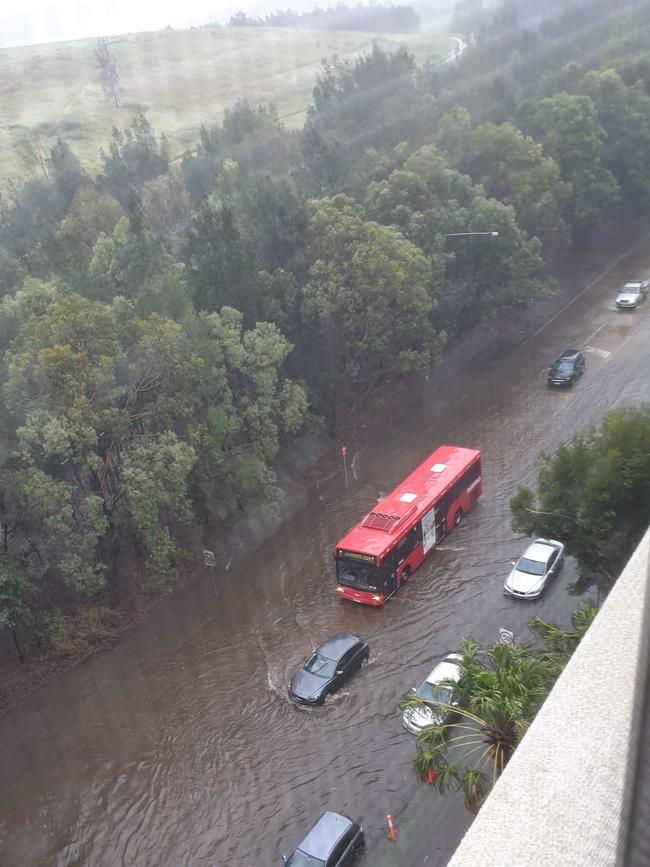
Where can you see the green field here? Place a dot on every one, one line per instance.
(180, 79)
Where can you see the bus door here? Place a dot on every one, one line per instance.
(387, 580)
(429, 530)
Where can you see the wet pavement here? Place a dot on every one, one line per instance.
(180, 747)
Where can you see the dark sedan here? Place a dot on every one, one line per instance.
(334, 841)
(567, 368)
(328, 668)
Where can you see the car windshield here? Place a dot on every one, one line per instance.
(532, 567)
(630, 289)
(301, 859)
(434, 692)
(320, 665)
(564, 366)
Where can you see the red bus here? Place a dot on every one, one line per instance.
(380, 553)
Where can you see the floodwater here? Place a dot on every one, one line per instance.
(180, 747)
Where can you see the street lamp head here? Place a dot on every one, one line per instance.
(470, 234)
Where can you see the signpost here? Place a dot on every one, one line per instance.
(344, 452)
(506, 637)
(211, 561)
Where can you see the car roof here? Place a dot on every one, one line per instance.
(540, 550)
(448, 668)
(324, 835)
(337, 645)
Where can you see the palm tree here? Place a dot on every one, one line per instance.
(559, 644)
(497, 697)
(499, 692)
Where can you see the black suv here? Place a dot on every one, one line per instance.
(567, 368)
(334, 841)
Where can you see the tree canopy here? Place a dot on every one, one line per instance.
(593, 493)
(195, 314)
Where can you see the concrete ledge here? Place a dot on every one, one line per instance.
(560, 799)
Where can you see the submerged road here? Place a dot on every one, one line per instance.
(180, 747)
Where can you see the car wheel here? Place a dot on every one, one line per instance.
(458, 517)
(406, 574)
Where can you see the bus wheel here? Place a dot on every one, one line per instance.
(458, 517)
(406, 574)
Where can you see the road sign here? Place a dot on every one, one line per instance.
(344, 451)
(209, 559)
(506, 637)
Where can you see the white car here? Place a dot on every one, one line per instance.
(541, 561)
(433, 689)
(632, 294)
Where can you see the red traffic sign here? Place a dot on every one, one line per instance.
(344, 451)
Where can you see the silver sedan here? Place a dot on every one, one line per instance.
(541, 561)
(631, 295)
(438, 693)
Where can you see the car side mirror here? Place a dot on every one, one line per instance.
(284, 859)
(413, 690)
(339, 671)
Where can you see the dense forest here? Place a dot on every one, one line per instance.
(167, 327)
(372, 18)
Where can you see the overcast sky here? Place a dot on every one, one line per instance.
(32, 21)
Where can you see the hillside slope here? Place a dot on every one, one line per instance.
(180, 79)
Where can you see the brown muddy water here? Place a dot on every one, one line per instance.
(180, 746)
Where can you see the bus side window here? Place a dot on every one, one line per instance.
(444, 506)
(460, 487)
(409, 542)
(473, 473)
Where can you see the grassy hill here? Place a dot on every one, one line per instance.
(180, 79)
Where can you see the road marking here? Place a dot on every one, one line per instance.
(603, 353)
(597, 331)
(587, 288)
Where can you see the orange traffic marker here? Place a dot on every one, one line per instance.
(392, 833)
(431, 776)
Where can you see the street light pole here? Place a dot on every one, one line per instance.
(211, 561)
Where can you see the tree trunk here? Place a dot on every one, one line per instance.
(21, 652)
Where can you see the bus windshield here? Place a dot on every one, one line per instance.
(352, 573)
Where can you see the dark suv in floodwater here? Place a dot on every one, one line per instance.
(334, 841)
(567, 368)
